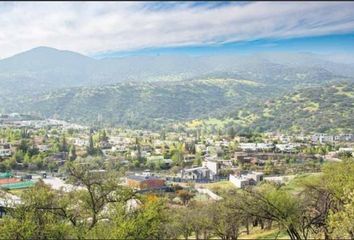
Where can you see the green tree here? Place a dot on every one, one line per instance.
(72, 153)
(64, 144)
(32, 220)
(91, 148)
(177, 153)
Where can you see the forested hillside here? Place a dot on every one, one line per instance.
(328, 108)
(153, 92)
(146, 104)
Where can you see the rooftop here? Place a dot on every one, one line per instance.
(141, 178)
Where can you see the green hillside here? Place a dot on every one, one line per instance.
(146, 105)
(328, 108)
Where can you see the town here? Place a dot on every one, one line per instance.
(193, 171)
(156, 161)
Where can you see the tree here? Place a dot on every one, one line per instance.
(231, 132)
(143, 222)
(33, 219)
(177, 153)
(72, 153)
(64, 144)
(99, 190)
(103, 136)
(163, 135)
(339, 181)
(180, 223)
(91, 149)
(227, 220)
(276, 205)
(23, 146)
(185, 196)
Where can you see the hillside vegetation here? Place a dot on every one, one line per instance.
(328, 108)
(145, 104)
(251, 92)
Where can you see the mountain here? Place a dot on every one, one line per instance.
(144, 104)
(45, 69)
(148, 91)
(328, 108)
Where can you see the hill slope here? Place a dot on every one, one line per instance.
(327, 108)
(45, 69)
(144, 104)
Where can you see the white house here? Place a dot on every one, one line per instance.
(244, 180)
(350, 150)
(5, 152)
(322, 138)
(286, 147)
(213, 166)
(256, 146)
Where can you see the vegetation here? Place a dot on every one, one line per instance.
(326, 109)
(321, 208)
(245, 105)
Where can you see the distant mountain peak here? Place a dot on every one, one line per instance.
(45, 52)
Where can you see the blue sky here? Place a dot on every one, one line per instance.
(328, 44)
(106, 29)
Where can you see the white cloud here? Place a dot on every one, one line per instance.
(91, 27)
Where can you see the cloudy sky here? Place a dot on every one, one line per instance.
(111, 28)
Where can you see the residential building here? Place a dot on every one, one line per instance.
(243, 180)
(145, 182)
(5, 152)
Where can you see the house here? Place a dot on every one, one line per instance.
(213, 166)
(208, 171)
(286, 147)
(252, 147)
(120, 149)
(5, 152)
(322, 138)
(43, 148)
(197, 173)
(264, 146)
(342, 150)
(145, 182)
(344, 138)
(243, 180)
(189, 158)
(248, 147)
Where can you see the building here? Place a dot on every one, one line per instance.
(344, 138)
(252, 147)
(322, 138)
(5, 152)
(208, 171)
(197, 173)
(288, 148)
(348, 150)
(243, 180)
(213, 166)
(189, 158)
(145, 182)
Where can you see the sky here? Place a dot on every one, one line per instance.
(110, 29)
